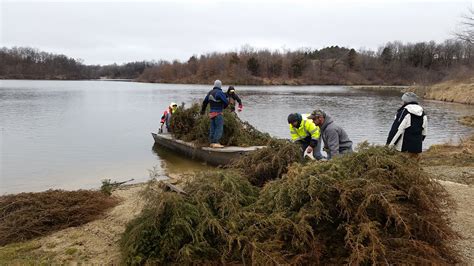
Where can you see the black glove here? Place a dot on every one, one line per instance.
(313, 143)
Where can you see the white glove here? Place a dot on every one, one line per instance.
(309, 153)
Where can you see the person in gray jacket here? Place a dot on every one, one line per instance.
(335, 139)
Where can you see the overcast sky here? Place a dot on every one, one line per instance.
(104, 32)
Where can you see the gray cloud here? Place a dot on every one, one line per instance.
(107, 32)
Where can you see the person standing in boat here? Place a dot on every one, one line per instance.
(232, 97)
(217, 100)
(409, 128)
(166, 117)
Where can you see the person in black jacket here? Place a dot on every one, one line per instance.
(233, 97)
(410, 126)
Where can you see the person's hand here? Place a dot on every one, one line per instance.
(240, 108)
(308, 153)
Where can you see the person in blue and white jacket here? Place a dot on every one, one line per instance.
(410, 126)
(217, 99)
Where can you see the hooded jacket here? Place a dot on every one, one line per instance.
(335, 138)
(217, 99)
(409, 128)
(166, 117)
(306, 130)
(232, 98)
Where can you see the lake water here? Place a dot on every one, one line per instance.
(73, 134)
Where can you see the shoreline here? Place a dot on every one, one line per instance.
(448, 91)
(399, 88)
(264, 84)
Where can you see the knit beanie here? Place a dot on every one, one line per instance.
(409, 97)
(218, 84)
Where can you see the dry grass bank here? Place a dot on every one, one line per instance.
(379, 87)
(467, 120)
(28, 215)
(92, 243)
(452, 162)
(461, 154)
(448, 91)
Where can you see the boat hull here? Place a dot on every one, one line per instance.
(213, 156)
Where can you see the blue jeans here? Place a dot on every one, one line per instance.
(217, 128)
(316, 151)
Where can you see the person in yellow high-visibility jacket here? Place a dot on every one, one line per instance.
(305, 132)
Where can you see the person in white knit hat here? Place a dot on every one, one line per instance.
(217, 100)
(409, 129)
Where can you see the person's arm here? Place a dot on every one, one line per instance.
(332, 142)
(237, 98)
(223, 99)
(425, 127)
(406, 122)
(163, 118)
(294, 135)
(392, 132)
(204, 104)
(168, 120)
(312, 145)
(395, 125)
(313, 130)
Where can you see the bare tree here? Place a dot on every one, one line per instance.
(466, 31)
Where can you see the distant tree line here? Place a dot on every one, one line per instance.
(30, 63)
(395, 63)
(125, 71)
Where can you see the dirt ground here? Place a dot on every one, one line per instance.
(462, 219)
(92, 243)
(96, 242)
(458, 174)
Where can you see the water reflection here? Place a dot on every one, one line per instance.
(175, 163)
